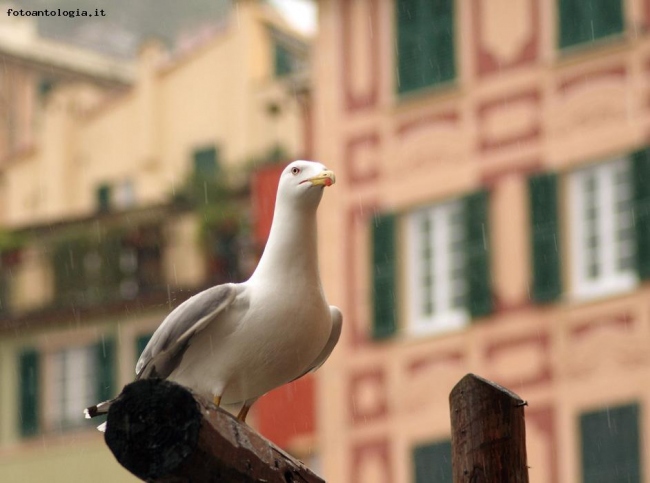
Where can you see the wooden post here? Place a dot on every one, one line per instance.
(161, 432)
(488, 434)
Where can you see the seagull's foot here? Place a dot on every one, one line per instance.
(216, 400)
(243, 413)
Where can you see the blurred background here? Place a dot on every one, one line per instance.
(491, 215)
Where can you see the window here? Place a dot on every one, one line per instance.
(437, 267)
(607, 215)
(583, 21)
(45, 86)
(611, 445)
(80, 377)
(74, 378)
(103, 196)
(425, 43)
(603, 241)
(206, 163)
(448, 266)
(284, 62)
(432, 462)
(73, 373)
(124, 194)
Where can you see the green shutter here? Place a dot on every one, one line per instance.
(477, 232)
(583, 21)
(611, 445)
(106, 368)
(432, 463)
(140, 343)
(384, 271)
(442, 62)
(641, 171)
(103, 197)
(29, 368)
(45, 86)
(206, 162)
(425, 43)
(544, 231)
(283, 60)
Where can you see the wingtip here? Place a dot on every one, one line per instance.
(91, 412)
(102, 427)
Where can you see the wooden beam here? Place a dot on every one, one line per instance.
(161, 432)
(488, 433)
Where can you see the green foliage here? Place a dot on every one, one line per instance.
(11, 240)
(87, 268)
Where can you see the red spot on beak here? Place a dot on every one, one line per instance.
(328, 182)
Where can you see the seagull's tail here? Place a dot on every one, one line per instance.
(98, 410)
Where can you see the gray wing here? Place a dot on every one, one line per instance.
(168, 344)
(337, 324)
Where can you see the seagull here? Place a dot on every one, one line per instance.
(237, 341)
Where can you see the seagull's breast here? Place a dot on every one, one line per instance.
(268, 338)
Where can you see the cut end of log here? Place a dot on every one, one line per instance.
(153, 427)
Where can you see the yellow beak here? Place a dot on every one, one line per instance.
(326, 178)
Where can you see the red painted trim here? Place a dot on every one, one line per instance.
(355, 102)
(357, 219)
(486, 63)
(544, 419)
(502, 308)
(571, 82)
(491, 177)
(623, 321)
(543, 340)
(419, 364)
(376, 377)
(451, 117)
(378, 449)
(533, 133)
(352, 148)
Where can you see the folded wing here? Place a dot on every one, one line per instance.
(165, 350)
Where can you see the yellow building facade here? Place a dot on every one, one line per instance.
(489, 217)
(112, 212)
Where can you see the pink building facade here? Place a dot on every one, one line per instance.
(490, 217)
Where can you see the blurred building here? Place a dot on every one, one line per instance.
(490, 216)
(124, 190)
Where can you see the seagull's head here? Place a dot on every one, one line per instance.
(304, 182)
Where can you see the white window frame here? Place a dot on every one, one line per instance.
(444, 317)
(612, 280)
(65, 402)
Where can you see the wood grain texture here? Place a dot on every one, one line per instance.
(488, 433)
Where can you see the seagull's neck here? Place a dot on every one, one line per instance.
(291, 250)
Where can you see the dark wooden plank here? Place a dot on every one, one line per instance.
(161, 432)
(488, 433)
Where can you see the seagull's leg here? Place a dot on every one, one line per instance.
(216, 400)
(244, 410)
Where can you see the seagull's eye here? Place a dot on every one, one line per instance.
(295, 171)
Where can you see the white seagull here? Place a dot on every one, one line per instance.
(237, 341)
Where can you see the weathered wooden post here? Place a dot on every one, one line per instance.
(161, 432)
(488, 433)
